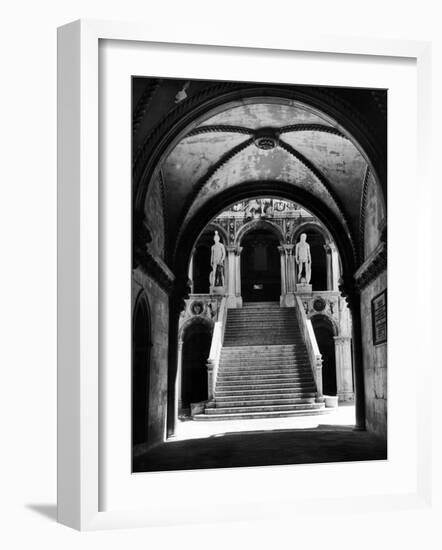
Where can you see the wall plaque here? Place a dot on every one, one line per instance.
(379, 318)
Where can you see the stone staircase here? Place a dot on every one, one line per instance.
(264, 371)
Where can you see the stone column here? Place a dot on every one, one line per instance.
(290, 268)
(190, 273)
(283, 275)
(334, 267)
(344, 371)
(328, 260)
(238, 276)
(178, 399)
(231, 275)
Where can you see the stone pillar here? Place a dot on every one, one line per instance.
(238, 276)
(283, 280)
(334, 267)
(190, 273)
(287, 275)
(290, 268)
(328, 260)
(231, 275)
(178, 398)
(344, 370)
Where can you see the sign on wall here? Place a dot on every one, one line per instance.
(379, 318)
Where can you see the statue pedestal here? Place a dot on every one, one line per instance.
(287, 300)
(303, 288)
(217, 290)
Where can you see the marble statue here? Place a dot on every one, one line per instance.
(217, 262)
(303, 259)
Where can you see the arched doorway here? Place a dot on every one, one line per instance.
(141, 346)
(260, 266)
(324, 332)
(195, 352)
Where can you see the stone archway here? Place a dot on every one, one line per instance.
(325, 332)
(344, 246)
(195, 340)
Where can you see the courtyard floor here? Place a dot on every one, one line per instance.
(236, 443)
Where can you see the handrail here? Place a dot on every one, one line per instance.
(312, 346)
(215, 348)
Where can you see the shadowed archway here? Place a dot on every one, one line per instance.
(204, 215)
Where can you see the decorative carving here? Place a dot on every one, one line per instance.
(143, 103)
(197, 307)
(219, 128)
(362, 214)
(319, 304)
(312, 127)
(372, 267)
(157, 270)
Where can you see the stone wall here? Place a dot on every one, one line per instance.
(154, 216)
(159, 310)
(374, 216)
(375, 363)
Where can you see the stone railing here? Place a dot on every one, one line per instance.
(314, 354)
(215, 348)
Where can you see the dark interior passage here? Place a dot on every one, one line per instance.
(260, 267)
(196, 348)
(324, 336)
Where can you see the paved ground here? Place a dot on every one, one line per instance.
(269, 446)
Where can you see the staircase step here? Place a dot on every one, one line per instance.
(250, 388)
(288, 393)
(242, 378)
(265, 408)
(257, 371)
(261, 402)
(257, 415)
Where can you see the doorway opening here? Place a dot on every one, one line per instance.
(260, 267)
(324, 333)
(196, 348)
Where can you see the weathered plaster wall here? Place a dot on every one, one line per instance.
(375, 363)
(159, 309)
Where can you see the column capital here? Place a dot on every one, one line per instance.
(238, 250)
(231, 248)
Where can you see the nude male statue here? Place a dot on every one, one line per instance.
(217, 262)
(303, 258)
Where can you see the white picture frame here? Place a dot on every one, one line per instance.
(79, 367)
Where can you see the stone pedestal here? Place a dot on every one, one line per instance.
(303, 288)
(287, 300)
(218, 290)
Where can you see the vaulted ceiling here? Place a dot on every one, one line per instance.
(266, 140)
(261, 137)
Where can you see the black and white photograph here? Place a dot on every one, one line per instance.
(259, 274)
